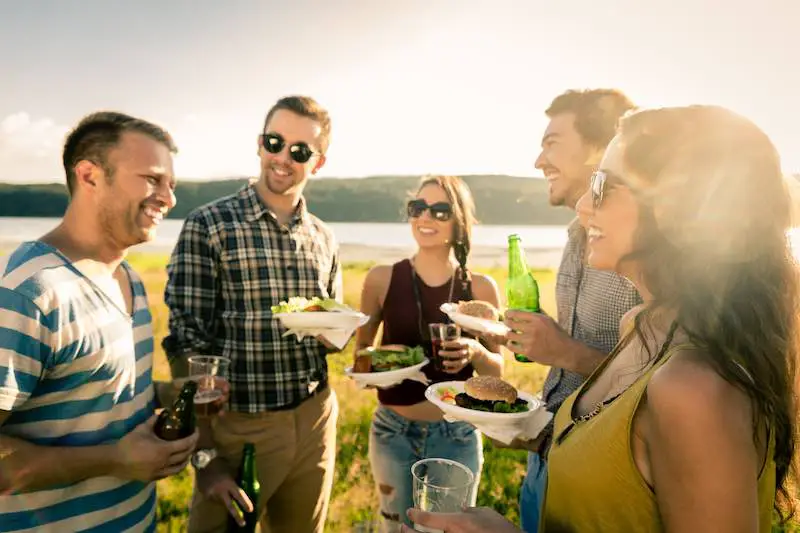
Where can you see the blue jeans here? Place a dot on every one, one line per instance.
(396, 443)
(531, 496)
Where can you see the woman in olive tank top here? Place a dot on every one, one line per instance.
(689, 425)
(405, 298)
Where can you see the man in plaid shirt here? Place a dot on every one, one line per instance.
(590, 302)
(235, 258)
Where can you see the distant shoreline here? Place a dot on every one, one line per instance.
(481, 256)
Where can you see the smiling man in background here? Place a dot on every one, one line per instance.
(590, 302)
(235, 258)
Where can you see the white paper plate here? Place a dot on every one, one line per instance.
(384, 380)
(322, 320)
(473, 323)
(434, 394)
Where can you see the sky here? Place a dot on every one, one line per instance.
(413, 86)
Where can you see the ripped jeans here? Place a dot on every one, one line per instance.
(396, 443)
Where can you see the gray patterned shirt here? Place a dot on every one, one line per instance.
(233, 261)
(591, 304)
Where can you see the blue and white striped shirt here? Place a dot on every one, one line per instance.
(75, 370)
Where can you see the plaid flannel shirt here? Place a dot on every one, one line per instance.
(590, 304)
(233, 261)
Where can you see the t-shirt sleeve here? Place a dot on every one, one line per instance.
(24, 348)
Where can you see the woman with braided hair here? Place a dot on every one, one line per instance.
(405, 298)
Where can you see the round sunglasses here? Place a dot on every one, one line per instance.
(274, 143)
(441, 211)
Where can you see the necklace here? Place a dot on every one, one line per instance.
(600, 405)
(423, 331)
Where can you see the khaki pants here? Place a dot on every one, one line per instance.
(295, 454)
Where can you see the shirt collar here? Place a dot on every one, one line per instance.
(255, 208)
(575, 229)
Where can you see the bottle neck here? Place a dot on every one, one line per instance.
(516, 260)
(249, 465)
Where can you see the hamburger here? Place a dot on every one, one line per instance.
(386, 358)
(491, 394)
(479, 309)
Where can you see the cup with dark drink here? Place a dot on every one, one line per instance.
(207, 371)
(440, 334)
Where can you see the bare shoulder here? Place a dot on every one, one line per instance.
(686, 393)
(378, 278)
(485, 288)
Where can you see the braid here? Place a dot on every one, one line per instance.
(461, 251)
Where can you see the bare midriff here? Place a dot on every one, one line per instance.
(423, 411)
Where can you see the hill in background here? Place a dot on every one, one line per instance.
(500, 199)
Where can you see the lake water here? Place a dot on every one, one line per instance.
(378, 235)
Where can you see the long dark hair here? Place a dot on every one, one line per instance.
(712, 244)
(460, 198)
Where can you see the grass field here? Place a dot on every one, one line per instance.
(354, 500)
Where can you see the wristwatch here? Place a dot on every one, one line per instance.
(201, 458)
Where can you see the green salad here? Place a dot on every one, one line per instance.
(300, 304)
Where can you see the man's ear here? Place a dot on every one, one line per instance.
(259, 145)
(87, 174)
(320, 163)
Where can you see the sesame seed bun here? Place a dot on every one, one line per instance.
(490, 388)
(479, 309)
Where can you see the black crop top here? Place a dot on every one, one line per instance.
(401, 326)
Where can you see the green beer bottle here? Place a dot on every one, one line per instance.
(248, 482)
(178, 421)
(522, 291)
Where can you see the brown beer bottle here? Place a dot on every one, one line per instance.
(248, 482)
(178, 421)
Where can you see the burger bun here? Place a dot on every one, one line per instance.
(490, 388)
(479, 309)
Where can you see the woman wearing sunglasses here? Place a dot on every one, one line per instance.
(405, 298)
(690, 423)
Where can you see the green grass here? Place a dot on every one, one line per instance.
(354, 499)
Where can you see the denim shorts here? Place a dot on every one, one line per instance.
(396, 443)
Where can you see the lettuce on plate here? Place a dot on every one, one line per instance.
(300, 304)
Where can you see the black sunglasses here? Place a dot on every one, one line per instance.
(441, 211)
(273, 143)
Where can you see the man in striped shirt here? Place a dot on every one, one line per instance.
(235, 258)
(77, 401)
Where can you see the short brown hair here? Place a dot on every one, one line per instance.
(96, 134)
(597, 112)
(305, 106)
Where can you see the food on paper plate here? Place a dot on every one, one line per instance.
(479, 309)
(299, 304)
(491, 394)
(386, 358)
(448, 395)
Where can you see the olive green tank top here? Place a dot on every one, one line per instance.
(593, 484)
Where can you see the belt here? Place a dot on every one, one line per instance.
(321, 387)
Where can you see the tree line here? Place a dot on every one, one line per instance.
(499, 199)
